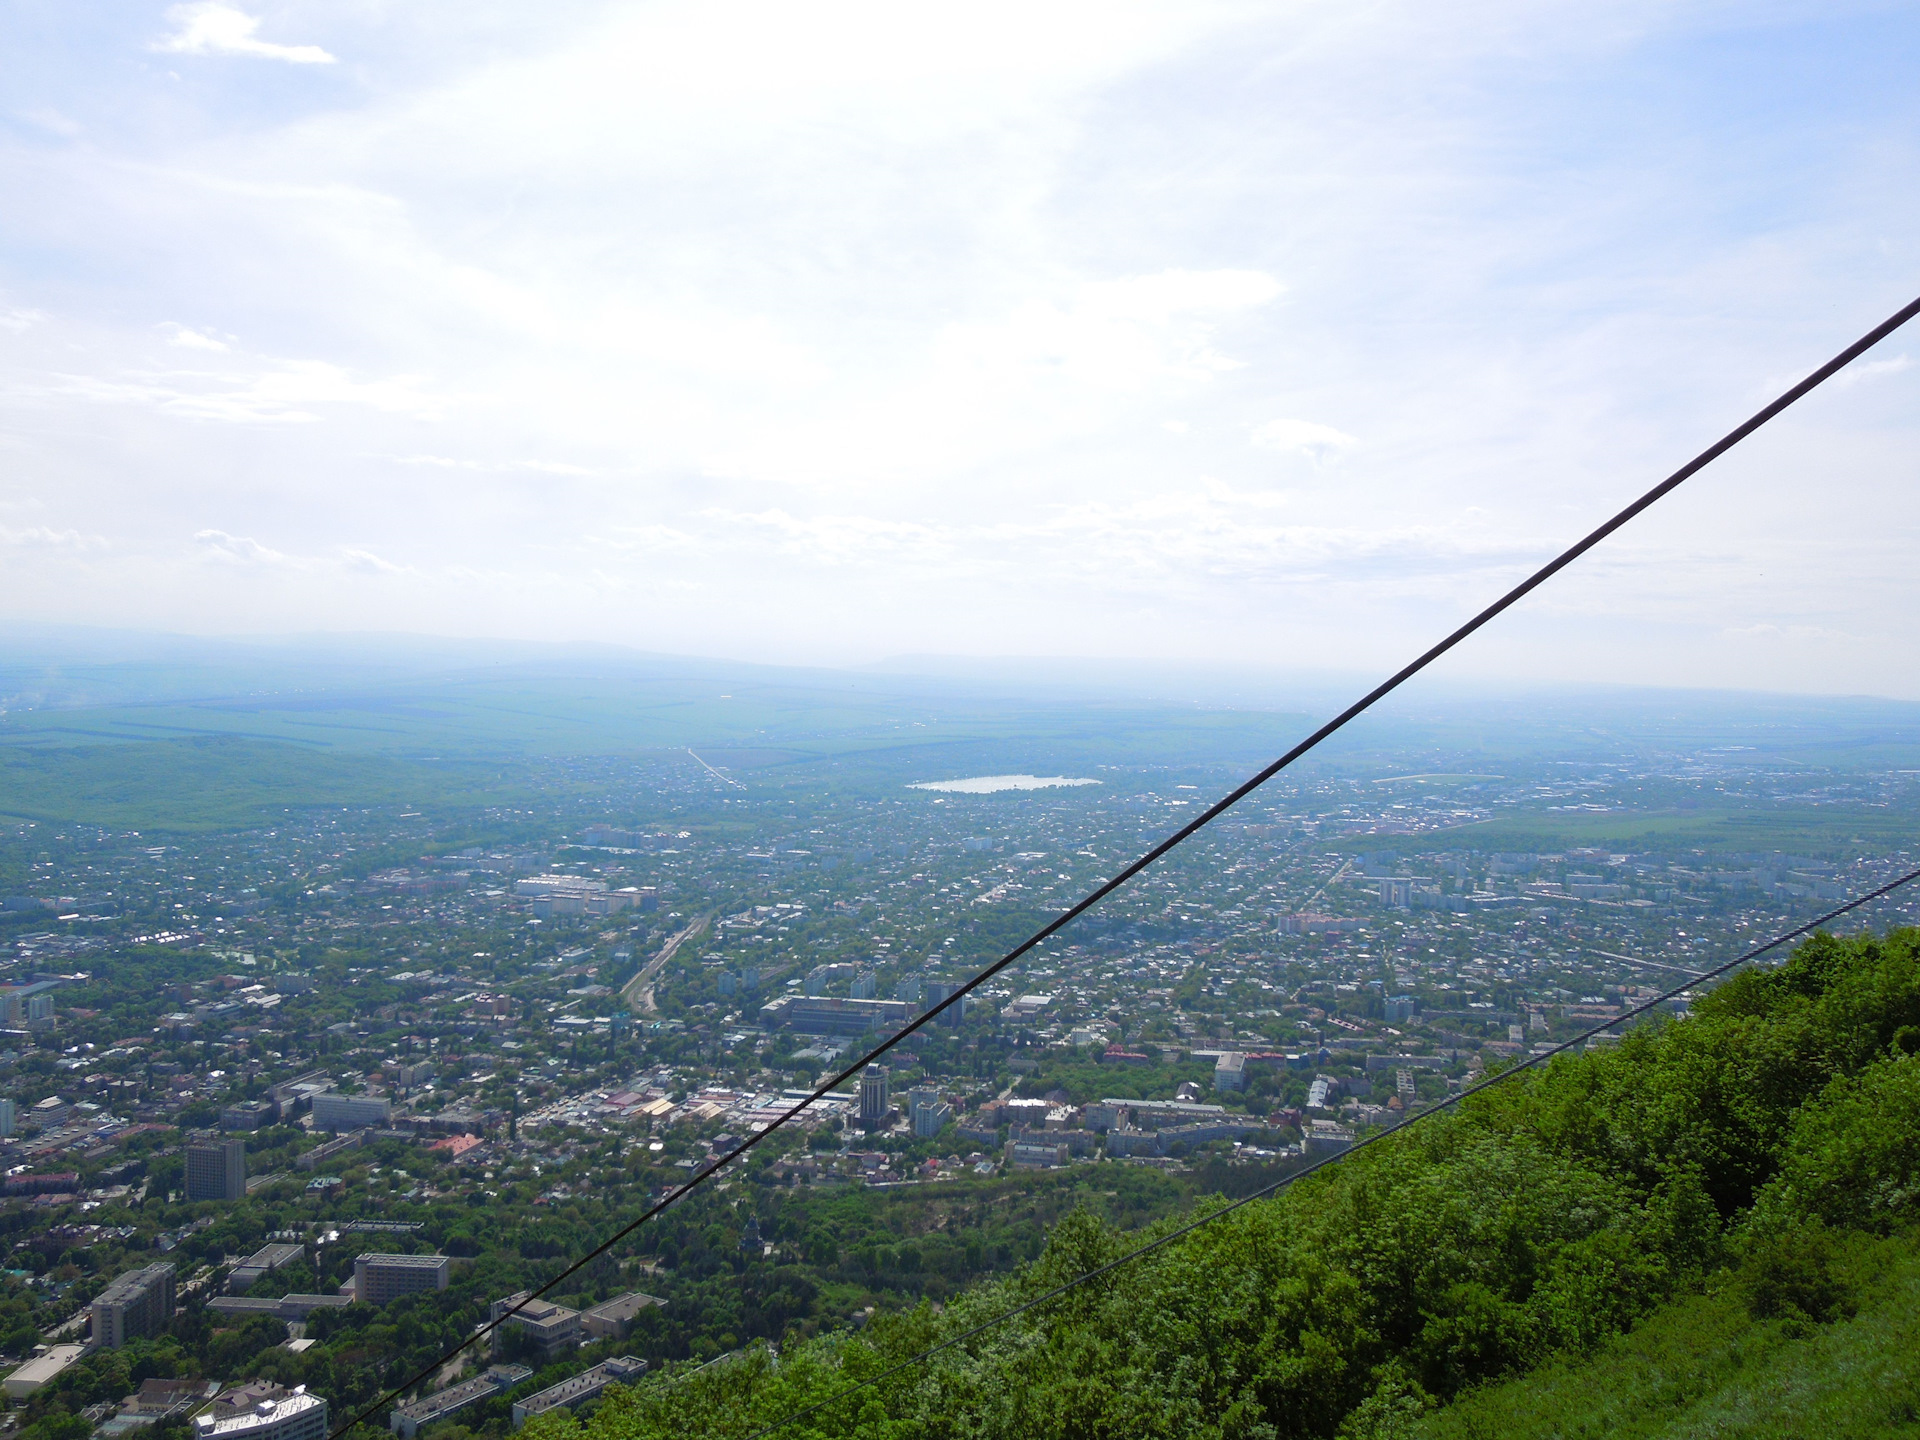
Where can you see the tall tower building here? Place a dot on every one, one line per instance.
(217, 1167)
(874, 1107)
(938, 990)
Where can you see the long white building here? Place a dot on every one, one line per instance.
(294, 1416)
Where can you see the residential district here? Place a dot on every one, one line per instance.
(288, 1113)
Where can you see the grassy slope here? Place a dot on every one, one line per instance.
(1704, 1366)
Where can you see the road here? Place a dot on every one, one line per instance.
(638, 992)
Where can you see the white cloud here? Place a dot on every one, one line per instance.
(365, 562)
(237, 549)
(189, 339)
(290, 392)
(211, 28)
(45, 537)
(1308, 438)
(1797, 633)
(54, 122)
(1859, 371)
(437, 462)
(1207, 537)
(552, 467)
(246, 553)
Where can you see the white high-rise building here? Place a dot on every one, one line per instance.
(928, 1114)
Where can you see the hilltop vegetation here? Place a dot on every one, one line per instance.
(1717, 1364)
(1745, 1178)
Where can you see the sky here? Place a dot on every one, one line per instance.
(1278, 334)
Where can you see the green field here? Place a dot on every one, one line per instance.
(1821, 831)
(207, 784)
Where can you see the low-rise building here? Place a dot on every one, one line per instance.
(350, 1112)
(1324, 1137)
(828, 1015)
(555, 1328)
(295, 1307)
(407, 1421)
(288, 1415)
(1155, 1114)
(1034, 1153)
(247, 1115)
(580, 1389)
(1175, 1136)
(263, 1262)
(28, 1378)
(611, 1319)
(315, 1158)
(157, 1396)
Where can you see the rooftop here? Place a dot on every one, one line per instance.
(267, 1412)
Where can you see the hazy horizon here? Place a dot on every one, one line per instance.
(350, 657)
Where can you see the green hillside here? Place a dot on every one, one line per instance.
(1707, 1365)
(1706, 1228)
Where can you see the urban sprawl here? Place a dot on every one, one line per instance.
(289, 1111)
